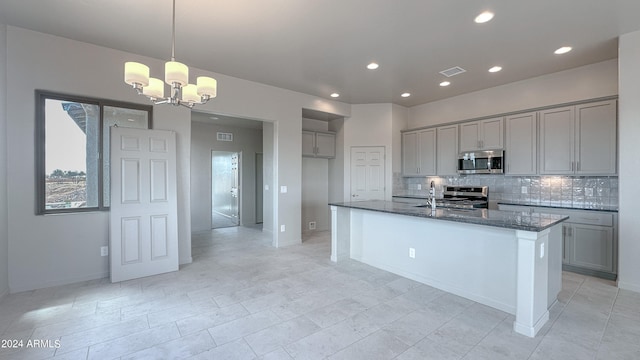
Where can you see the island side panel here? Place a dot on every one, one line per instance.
(340, 233)
(555, 264)
(533, 282)
(473, 261)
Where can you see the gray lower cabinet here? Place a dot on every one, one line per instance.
(589, 239)
(589, 246)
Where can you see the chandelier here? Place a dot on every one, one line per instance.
(176, 75)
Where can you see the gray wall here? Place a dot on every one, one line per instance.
(4, 235)
(315, 184)
(315, 193)
(629, 163)
(203, 141)
(53, 250)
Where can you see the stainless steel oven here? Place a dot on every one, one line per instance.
(481, 162)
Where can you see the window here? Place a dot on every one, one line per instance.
(72, 149)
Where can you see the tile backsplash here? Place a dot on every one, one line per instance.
(576, 191)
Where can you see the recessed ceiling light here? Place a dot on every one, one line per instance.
(131, 120)
(213, 118)
(484, 17)
(495, 69)
(562, 50)
(445, 83)
(372, 66)
(334, 95)
(405, 94)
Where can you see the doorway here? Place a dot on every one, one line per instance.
(225, 189)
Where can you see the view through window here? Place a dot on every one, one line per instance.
(73, 149)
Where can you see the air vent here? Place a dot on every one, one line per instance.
(453, 71)
(225, 136)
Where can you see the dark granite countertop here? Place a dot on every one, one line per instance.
(609, 208)
(496, 218)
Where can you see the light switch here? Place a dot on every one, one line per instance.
(283, 189)
(266, 187)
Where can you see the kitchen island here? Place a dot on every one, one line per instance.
(511, 261)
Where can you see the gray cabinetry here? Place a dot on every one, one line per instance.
(419, 153)
(318, 144)
(579, 139)
(447, 150)
(482, 135)
(596, 132)
(557, 141)
(589, 246)
(589, 239)
(521, 144)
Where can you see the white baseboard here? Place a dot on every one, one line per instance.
(629, 286)
(48, 284)
(4, 293)
(184, 261)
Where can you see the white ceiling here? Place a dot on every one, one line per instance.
(322, 46)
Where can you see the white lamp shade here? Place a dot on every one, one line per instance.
(190, 94)
(207, 86)
(175, 72)
(136, 73)
(155, 89)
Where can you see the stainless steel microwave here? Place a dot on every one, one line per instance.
(481, 162)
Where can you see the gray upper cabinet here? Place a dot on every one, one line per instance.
(521, 153)
(447, 150)
(419, 153)
(318, 144)
(579, 139)
(557, 142)
(325, 145)
(308, 143)
(596, 130)
(482, 135)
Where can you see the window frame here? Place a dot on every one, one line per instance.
(40, 137)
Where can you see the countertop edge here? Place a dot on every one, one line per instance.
(469, 220)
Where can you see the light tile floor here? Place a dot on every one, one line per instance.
(243, 299)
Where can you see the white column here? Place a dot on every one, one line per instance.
(340, 233)
(532, 282)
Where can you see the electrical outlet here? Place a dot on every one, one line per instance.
(282, 228)
(419, 187)
(524, 190)
(412, 253)
(266, 187)
(312, 225)
(283, 189)
(588, 191)
(104, 251)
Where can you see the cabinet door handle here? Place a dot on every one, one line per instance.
(572, 166)
(577, 165)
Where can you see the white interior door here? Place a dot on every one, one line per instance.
(143, 217)
(367, 173)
